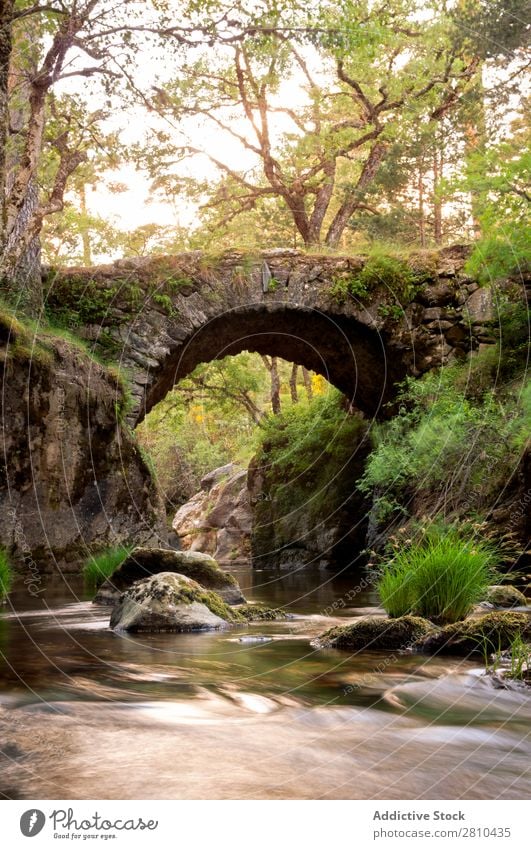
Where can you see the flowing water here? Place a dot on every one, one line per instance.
(250, 712)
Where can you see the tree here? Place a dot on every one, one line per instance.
(500, 175)
(369, 69)
(90, 40)
(271, 364)
(228, 384)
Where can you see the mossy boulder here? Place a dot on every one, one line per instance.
(489, 633)
(170, 602)
(505, 596)
(143, 562)
(261, 613)
(376, 633)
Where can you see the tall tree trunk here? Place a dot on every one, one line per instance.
(422, 213)
(293, 383)
(307, 383)
(21, 249)
(271, 364)
(85, 234)
(275, 386)
(437, 205)
(353, 201)
(25, 278)
(475, 135)
(6, 20)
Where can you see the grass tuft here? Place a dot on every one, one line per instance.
(439, 578)
(101, 566)
(6, 573)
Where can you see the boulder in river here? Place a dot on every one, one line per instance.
(375, 633)
(143, 562)
(505, 596)
(262, 613)
(479, 635)
(170, 602)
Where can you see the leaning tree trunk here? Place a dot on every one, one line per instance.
(6, 19)
(21, 251)
(23, 279)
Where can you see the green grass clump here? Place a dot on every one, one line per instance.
(6, 573)
(396, 589)
(391, 275)
(101, 566)
(439, 578)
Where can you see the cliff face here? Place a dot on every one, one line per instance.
(217, 520)
(72, 478)
(307, 510)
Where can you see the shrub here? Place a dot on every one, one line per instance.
(439, 578)
(6, 573)
(501, 254)
(100, 566)
(452, 436)
(380, 271)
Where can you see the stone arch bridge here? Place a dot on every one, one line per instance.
(159, 317)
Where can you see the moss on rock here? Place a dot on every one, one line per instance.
(171, 602)
(261, 613)
(505, 596)
(482, 635)
(376, 633)
(144, 562)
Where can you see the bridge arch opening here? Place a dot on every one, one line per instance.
(350, 355)
(352, 358)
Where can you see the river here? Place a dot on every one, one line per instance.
(251, 712)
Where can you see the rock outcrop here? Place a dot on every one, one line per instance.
(314, 515)
(73, 479)
(169, 602)
(218, 519)
(145, 562)
(374, 633)
(482, 636)
(501, 595)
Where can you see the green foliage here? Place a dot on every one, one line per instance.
(503, 252)
(392, 276)
(455, 433)
(519, 659)
(100, 566)
(78, 300)
(310, 456)
(439, 578)
(392, 273)
(18, 336)
(205, 422)
(309, 438)
(499, 177)
(6, 573)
